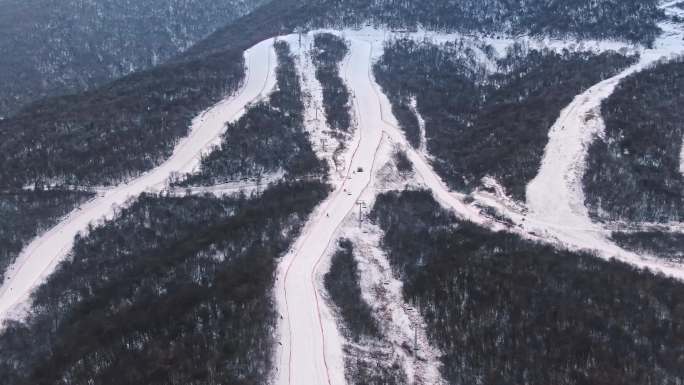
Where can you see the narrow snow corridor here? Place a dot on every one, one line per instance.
(44, 253)
(247, 187)
(312, 346)
(423, 148)
(555, 197)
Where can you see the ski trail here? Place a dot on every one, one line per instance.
(311, 347)
(311, 350)
(555, 197)
(43, 254)
(383, 109)
(401, 326)
(421, 126)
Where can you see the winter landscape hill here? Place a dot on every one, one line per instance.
(51, 48)
(311, 192)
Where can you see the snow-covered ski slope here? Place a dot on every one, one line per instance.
(310, 349)
(555, 197)
(311, 346)
(401, 325)
(44, 253)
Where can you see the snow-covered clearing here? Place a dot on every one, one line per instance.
(247, 187)
(44, 253)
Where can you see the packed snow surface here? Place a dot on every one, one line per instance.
(42, 255)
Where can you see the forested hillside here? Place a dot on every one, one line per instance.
(113, 133)
(171, 291)
(509, 311)
(633, 172)
(480, 123)
(25, 214)
(633, 20)
(269, 138)
(62, 138)
(50, 48)
(180, 290)
(359, 324)
(663, 243)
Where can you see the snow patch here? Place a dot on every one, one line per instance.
(248, 187)
(421, 126)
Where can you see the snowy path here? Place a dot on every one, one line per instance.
(42, 255)
(381, 109)
(421, 127)
(555, 197)
(312, 346)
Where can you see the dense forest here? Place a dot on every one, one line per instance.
(112, 133)
(25, 214)
(269, 138)
(342, 284)
(633, 171)
(509, 311)
(480, 123)
(53, 48)
(171, 291)
(662, 244)
(328, 52)
(633, 20)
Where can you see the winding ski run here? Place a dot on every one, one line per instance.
(39, 259)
